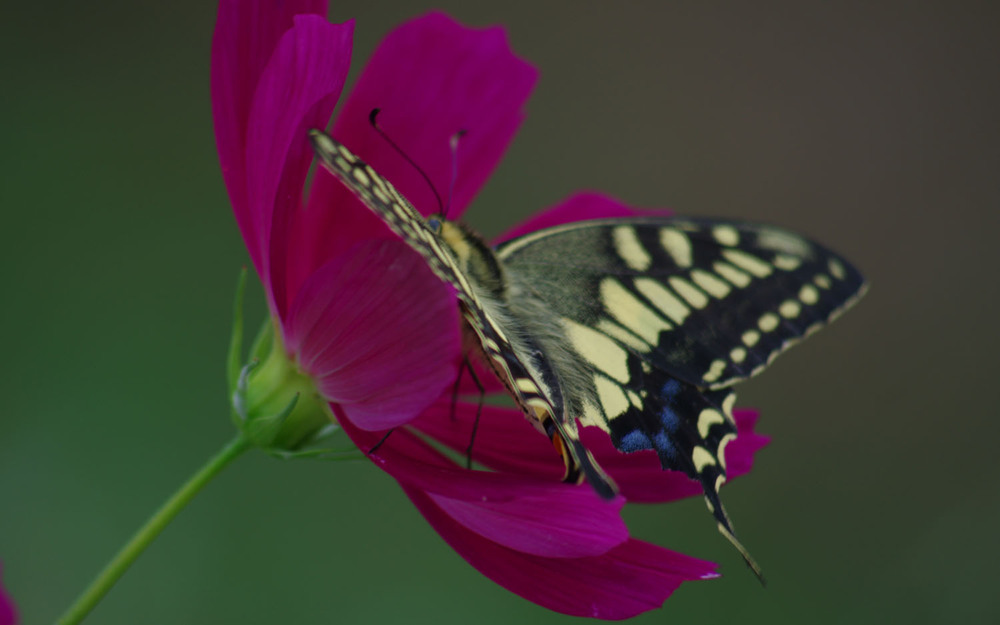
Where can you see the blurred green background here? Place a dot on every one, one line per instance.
(871, 126)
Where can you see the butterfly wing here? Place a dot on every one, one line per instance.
(666, 314)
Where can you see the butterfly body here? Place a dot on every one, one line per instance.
(637, 326)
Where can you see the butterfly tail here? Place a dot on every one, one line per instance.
(711, 480)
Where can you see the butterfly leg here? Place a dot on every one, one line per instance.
(382, 440)
(458, 382)
(479, 412)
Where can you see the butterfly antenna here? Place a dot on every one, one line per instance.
(453, 144)
(373, 120)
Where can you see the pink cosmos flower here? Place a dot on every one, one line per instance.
(337, 287)
(8, 614)
(359, 314)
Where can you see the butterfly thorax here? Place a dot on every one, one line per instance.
(475, 258)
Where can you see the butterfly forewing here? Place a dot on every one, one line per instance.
(710, 302)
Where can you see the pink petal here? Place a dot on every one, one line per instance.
(551, 525)
(538, 516)
(630, 579)
(378, 331)
(487, 378)
(431, 77)
(505, 441)
(741, 452)
(246, 33)
(297, 91)
(8, 613)
(579, 207)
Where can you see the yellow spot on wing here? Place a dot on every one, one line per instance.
(600, 351)
(677, 244)
(732, 274)
(837, 269)
(710, 283)
(783, 241)
(634, 398)
(632, 313)
(687, 290)
(727, 405)
(667, 303)
(622, 335)
(361, 177)
(750, 338)
(768, 322)
(592, 415)
(721, 452)
(381, 195)
(630, 249)
(786, 262)
(525, 385)
(714, 370)
(748, 262)
(708, 418)
(809, 295)
(789, 309)
(726, 235)
(738, 355)
(344, 152)
(612, 398)
(702, 458)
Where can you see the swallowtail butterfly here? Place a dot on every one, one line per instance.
(638, 326)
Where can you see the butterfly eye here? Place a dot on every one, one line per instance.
(434, 224)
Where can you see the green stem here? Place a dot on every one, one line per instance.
(148, 532)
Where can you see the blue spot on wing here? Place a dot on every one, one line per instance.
(635, 441)
(664, 446)
(671, 421)
(671, 389)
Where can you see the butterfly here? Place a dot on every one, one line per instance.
(639, 326)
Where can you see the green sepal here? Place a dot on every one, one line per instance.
(264, 429)
(317, 448)
(274, 403)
